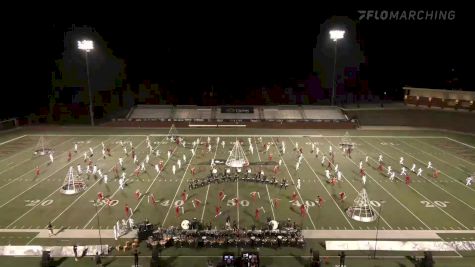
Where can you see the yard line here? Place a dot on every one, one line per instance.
(59, 169)
(17, 164)
(389, 193)
(47, 197)
(13, 139)
(467, 145)
(207, 190)
(457, 181)
(83, 193)
(178, 188)
(444, 151)
(410, 186)
(267, 188)
(298, 192)
(113, 194)
(384, 220)
(237, 196)
(426, 178)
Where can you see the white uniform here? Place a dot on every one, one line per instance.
(125, 150)
(142, 166)
(123, 175)
(419, 172)
(318, 150)
(403, 171)
(85, 155)
(298, 183)
(169, 153)
(103, 146)
(330, 149)
(296, 145)
(338, 175)
(389, 170)
(121, 161)
(401, 160)
(251, 149)
(361, 165)
(366, 159)
(429, 165)
(217, 140)
(413, 168)
(179, 163)
(184, 158)
(94, 169)
(267, 147)
(75, 147)
(469, 180)
(336, 167)
(327, 174)
(100, 173)
(380, 158)
(283, 150)
(393, 174)
(173, 169)
(157, 169)
(135, 159)
(209, 147)
(88, 169)
(313, 146)
(280, 162)
(297, 165)
(209, 139)
(79, 169)
(51, 157)
(157, 152)
(121, 183)
(105, 178)
(103, 153)
(193, 152)
(92, 151)
(147, 159)
(323, 160)
(363, 178)
(223, 143)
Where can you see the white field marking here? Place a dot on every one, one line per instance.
(31, 170)
(94, 135)
(178, 188)
(59, 169)
(404, 206)
(83, 193)
(467, 145)
(437, 158)
(47, 197)
(281, 256)
(207, 190)
(295, 184)
(429, 179)
(17, 164)
(453, 154)
(246, 135)
(238, 204)
(267, 188)
(13, 139)
(154, 179)
(113, 194)
(422, 194)
(352, 187)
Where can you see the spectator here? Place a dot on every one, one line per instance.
(98, 260)
(136, 258)
(75, 250)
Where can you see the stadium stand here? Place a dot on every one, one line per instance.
(151, 112)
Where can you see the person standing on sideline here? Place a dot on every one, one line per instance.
(136, 258)
(98, 260)
(342, 258)
(75, 250)
(50, 229)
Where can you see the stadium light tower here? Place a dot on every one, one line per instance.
(88, 45)
(335, 35)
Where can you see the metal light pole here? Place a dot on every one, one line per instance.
(377, 228)
(87, 46)
(96, 203)
(335, 35)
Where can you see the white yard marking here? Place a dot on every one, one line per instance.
(298, 192)
(13, 139)
(57, 170)
(423, 196)
(267, 188)
(207, 189)
(445, 151)
(397, 200)
(467, 145)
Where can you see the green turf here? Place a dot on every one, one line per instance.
(443, 203)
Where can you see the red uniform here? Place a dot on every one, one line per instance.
(221, 196)
(303, 211)
(161, 165)
(183, 196)
(320, 201)
(152, 200)
(436, 173)
(408, 179)
(276, 168)
(218, 211)
(362, 172)
(193, 171)
(37, 170)
(276, 202)
(253, 195)
(270, 157)
(258, 215)
(108, 202)
(329, 166)
(100, 196)
(137, 171)
(177, 211)
(137, 194)
(236, 201)
(116, 171)
(342, 196)
(127, 211)
(380, 166)
(197, 203)
(294, 197)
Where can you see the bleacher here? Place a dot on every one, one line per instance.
(323, 114)
(151, 112)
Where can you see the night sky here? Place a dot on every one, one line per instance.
(242, 46)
